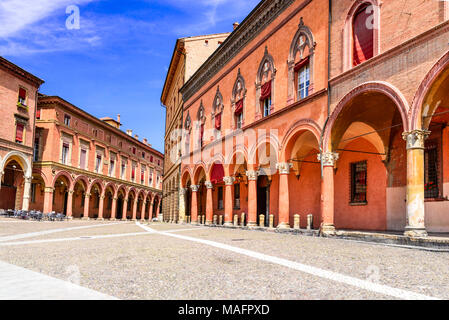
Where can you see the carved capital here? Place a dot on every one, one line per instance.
(252, 175)
(415, 139)
(182, 191)
(49, 190)
(328, 158)
(87, 195)
(194, 188)
(28, 179)
(284, 167)
(209, 185)
(229, 181)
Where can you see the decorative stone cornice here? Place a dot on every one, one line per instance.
(284, 167)
(415, 139)
(252, 175)
(229, 181)
(209, 185)
(262, 16)
(328, 158)
(194, 188)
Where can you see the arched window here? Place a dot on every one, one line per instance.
(238, 102)
(300, 64)
(186, 135)
(361, 33)
(217, 111)
(265, 86)
(201, 118)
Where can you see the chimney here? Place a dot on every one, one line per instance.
(129, 132)
(145, 141)
(118, 118)
(236, 25)
(136, 137)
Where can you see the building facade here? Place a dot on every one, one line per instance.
(18, 100)
(336, 110)
(88, 168)
(189, 54)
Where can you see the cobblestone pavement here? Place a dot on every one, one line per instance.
(165, 261)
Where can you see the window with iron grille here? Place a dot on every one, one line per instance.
(359, 184)
(431, 173)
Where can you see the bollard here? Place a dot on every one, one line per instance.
(236, 220)
(271, 221)
(261, 220)
(215, 219)
(309, 222)
(297, 224)
(242, 221)
(220, 220)
(204, 219)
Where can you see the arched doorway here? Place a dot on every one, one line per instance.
(60, 194)
(11, 192)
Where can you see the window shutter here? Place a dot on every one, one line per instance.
(239, 107)
(22, 93)
(38, 113)
(301, 64)
(363, 37)
(265, 91)
(19, 132)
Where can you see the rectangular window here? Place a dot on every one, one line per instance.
(151, 159)
(98, 163)
(142, 176)
(220, 198)
(65, 153)
(134, 150)
(67, 119)
(19, 132)
(267, 107)
(36, 149)
(22, 96)
(133, 172)
(123, 170)
(83, 157)
(359, 184)
(303, 82)
(237, 196)
(111, 167)
(143, 155)
(150, 178)
(431, 173)
(38, 114)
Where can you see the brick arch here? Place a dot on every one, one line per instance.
(64, 174)
(21, 159)
(132, 189)
(186, 175)
(121, 187)
(377, 86)
(81, 178)
(98, 182)
(112, 186)
(42, 175)
(269, 138)
(292, 134)
(426, 85)
(197, 170)
(229, 165)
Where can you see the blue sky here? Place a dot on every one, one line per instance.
(117, 61)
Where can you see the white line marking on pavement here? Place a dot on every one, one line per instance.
(41, 233)
(18, 283)
(330, 275)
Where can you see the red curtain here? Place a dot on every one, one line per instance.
(239, 107)
(38, 113)
(218, 121)
(22, 93)
(363, 36)
(266, 91)
(301, 64)
(217, 173)
(19, 132)
(201, 133)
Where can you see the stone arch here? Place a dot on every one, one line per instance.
(197, 172)
(64, 174)
(19, 158)
(262, 141)
(186, 176)
(381, 87)
(416, 111)
(97, 182)
(292, 133)
(112, 186)
(83, 179)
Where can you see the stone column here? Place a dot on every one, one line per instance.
(134, 217)
(284, 197)
(150, 213)
(101, 208)
(182, 205)
(328, 161)
(48, 200)
(209, 202)
(252, 198)
(114, 209)
(86, 207)
(229, 200)
(194, 208)
(26, 193)
(142, 212)
(70, 204)
(125, 209)
(415, 183)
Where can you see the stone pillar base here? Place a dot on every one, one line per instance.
(124, 220)
(252, 224)
(85, 218)
(100, 219)
(208, 223)
(415, 232)
(228, 224)
(328, 230)
(113, 219)
(283, 225)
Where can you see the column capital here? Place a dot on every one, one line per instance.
(102, 197)
(328, 158)
(284, 167)
(87, 195)
(208, 185)
(71, 191)
(229, 181)
(252, 175)
(182, 191)
(115, 199)
(49, 190)
(415, 139)
(194, 188)
(28, 179)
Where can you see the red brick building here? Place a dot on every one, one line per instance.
(18, 99)
(345, 121)
(87, 167)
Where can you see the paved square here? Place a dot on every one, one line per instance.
(127, 260)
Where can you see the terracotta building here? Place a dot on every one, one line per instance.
(343, 121)
(189, 54)
(87, 167)
(18, 99)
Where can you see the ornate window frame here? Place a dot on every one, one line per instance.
(217, 109)
(266, 67)
(201, 121)
(303, 39)
(348, 31)
(239, 92)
